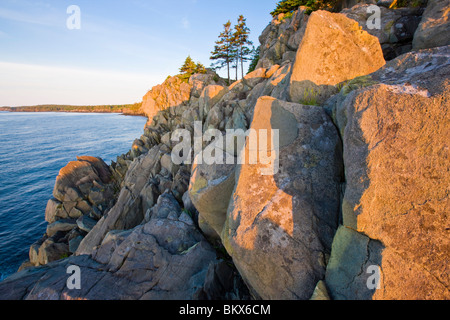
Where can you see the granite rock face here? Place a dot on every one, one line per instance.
(320, 64)
(396, 26)
(127, 213)
(434, 27)
(83, 190)
(210, 189)
(173, 92)
(281, 38)
(280, 224)
(164, 259)
(396, 197)
(79, 186)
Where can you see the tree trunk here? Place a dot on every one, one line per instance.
(228, 65)
(237, 66)
(242, 64)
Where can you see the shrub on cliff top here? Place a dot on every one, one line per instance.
(189, 68)
(288, 6)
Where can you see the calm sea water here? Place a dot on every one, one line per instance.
(33, 148)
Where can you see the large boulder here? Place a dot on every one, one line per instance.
(199, 81)
(395, 207)
(55, 211)
(210, 189)
(51, 251)
(63, 225)
(321, 64)
(77, 179)
(276, 85)
(434, 28)
(216, 118)
(280, 224)
(254, 77)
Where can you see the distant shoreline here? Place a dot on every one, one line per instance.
(129, 110)
(81, 111)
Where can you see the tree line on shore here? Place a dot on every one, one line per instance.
(129, 109)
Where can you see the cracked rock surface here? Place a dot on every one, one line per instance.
(165, 258)
(279, 227)
(396, 161)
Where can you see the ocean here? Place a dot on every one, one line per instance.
(33, 148)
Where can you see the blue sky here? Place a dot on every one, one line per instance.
(122, 49)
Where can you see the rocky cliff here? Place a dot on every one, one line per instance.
(352, 205)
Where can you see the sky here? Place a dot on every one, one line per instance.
(122, 49)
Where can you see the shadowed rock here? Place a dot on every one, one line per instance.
(434, 28)
(281, 38)
(128, 211)
(210, 190)
(396, 29)
(164, 259)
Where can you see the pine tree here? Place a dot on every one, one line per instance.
(254, 59)
(224, 50)
(242, 42)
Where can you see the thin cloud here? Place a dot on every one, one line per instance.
(37, 19)
(185, 23)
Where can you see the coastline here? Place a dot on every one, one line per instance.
(81, 112)
(49, 184)
(130, 110)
